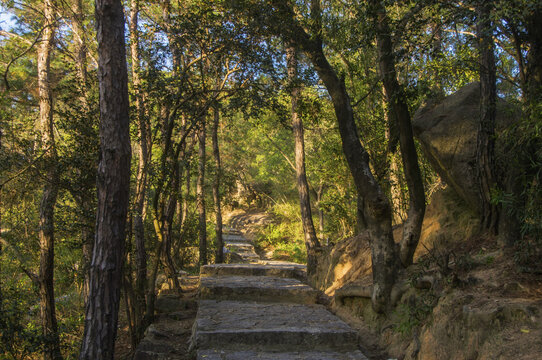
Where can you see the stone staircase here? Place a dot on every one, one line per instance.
(257, 309)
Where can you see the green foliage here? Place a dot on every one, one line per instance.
(284, 237)
(19, 337)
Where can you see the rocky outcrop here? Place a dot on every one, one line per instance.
(348, 260)
(447, 132)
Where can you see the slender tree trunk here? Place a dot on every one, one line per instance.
(113, 186)
(80, 51)
(141, 176)
(319, 194)
(377, 209)
(1, 207)
(394, 179)
(184, 167)
(485, 145)
(401, 115)
(50, 190)
(534, 58)
(85, 199)
(167, 227)
(216, 188)
(311, 240)
(200, 194)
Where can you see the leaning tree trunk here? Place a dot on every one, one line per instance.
(311, 240)
(401, 115)
(377, 209)
(50, 190)
(113, 185)
(216, 189)
(485, 145)
(200, 194)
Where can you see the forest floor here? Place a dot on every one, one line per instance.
(168, 319)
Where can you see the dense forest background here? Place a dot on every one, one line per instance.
(211, 98)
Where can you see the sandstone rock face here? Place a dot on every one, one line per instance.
(347, 261)
(447, 132)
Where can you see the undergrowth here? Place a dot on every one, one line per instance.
(284, 236)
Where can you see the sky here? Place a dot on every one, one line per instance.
(5, 19)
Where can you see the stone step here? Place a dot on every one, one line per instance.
(235, 325)
(276, 269)
(257, 288)
(230, 230)
(242, 246)
(235, 238)
(243, 257)
(270, 355)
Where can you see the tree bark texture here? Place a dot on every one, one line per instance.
(141, 176)
(377, 209)
(200, 194)
(311, 240)
(216, 188)
(319, 195)
(485, 145)
(401, 115)
(50, 189)
(113, 185)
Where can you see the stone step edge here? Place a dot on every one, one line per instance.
(213, 354)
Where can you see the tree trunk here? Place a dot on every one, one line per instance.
(377, 209)
(311, 240)
(319, 194)
(80, 51)
(200, 194)
(113, 185)
(216, 189)
(401, 115)
(85, 197)
(167, 228)
(485, 145)
(534, 58)
(50, 190)
(141, 177)
(394, 178)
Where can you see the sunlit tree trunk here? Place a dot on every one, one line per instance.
(113, 185)
(141, 176)
(401, 115)
(50, 189)
(394, 178)
(311, 240)
(319, 195)
(377, 209)
(216, 187)
(485, 146)
(200, 194)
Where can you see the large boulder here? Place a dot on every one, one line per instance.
(447, 132)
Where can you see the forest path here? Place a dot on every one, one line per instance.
(261, 309)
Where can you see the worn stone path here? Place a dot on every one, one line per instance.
(257, 309)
